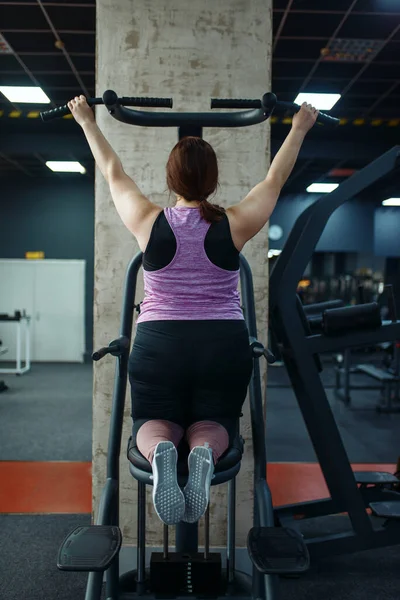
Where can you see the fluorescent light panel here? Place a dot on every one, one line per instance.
(391, 202)
(322, 188)
(319, 101)
(24, 94)
(64, 166)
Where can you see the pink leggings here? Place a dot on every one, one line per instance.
(157, 430)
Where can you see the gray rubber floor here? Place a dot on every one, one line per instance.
(28, 554)
(29, 546)
(46, 414)
(369, 437)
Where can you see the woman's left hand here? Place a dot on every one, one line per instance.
(81, 111)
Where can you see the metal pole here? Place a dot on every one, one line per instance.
(112, 574)
(207, 533)
(141, 538)
(346, 369)
(18, 346)
(165, 542)
(230, 550)
(94, 586)
(28, 345)
(121, 371)
(187, 538)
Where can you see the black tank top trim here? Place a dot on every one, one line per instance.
(218, 245)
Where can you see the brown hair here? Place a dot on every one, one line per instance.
(192, 173)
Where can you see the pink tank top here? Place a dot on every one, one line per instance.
(190, 287)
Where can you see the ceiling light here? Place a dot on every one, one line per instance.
(24, 94)
(319, 101)
(65, 166)
(391, 202)
(352, 50)
(322, 188)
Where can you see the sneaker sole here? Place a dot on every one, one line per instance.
(197, 489)
(168, 498)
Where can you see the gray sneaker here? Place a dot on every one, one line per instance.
(168, 498)
(197, 489)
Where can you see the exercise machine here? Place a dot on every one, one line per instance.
(356, 494)
(388, 375)
(186, 571)
(3, 350)
(22, 325)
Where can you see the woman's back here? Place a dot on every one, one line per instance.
(191, 269)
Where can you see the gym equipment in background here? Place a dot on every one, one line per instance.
(22, 322)
(350, 493)
(3, 350)
(388, 375)
(344, 287)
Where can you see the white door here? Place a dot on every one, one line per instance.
(16, 293)
(58, 325)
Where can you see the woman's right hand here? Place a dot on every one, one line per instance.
(305, 119)
(81, 111)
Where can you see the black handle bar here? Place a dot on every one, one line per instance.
(259, 111)
(116, 348)
(61, 111)
(198, 119)
(258, 350)
(117, 108)
(279, 107)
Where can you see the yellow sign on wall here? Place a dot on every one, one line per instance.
(34, 255)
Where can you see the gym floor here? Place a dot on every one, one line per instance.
(45, 474)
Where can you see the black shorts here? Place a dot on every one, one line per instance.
(188, 371)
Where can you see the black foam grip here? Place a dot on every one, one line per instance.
(270, 356)
(100, 353)
(325, 119)
(150, 102)
(293, 108)
(234, 103)
(55, 113)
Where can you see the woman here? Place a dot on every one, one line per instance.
(191, 363)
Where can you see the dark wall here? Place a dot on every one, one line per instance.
(53, 215)
(387, 231)
(357, 226)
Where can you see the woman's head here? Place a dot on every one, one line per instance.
(192, 174)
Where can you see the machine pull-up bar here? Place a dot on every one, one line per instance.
(256, 111)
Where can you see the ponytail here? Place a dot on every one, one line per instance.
(211, 212)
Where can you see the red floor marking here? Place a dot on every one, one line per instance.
(45, 487)
(66, 487)
(301, 482)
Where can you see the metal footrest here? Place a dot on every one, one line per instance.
(386, 510)
(276, 550)
(91, 548)
(375, 478)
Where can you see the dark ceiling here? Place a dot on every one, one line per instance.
(351, 47)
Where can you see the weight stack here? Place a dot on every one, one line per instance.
(185, 574)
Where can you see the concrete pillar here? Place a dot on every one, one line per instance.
(190, 51)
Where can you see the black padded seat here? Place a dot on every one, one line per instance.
(226, 468)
